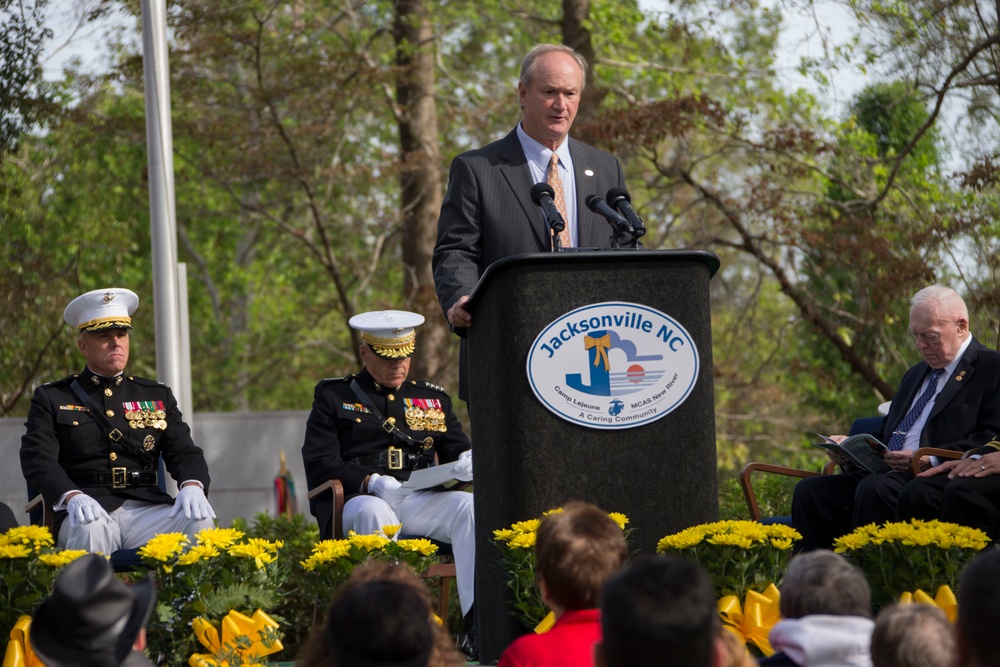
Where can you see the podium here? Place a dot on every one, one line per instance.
(590, 378)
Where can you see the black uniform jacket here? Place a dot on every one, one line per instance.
(65, 445)
(340, 429)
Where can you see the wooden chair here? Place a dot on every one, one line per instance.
(828, 469)
(444, 569)
(861, 425)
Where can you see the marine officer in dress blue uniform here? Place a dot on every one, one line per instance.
(94, 441)
(372, 429)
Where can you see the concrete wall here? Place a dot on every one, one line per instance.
(242, 449)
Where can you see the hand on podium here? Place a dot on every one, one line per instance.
(458, 316)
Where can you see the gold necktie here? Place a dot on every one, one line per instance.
(555, 180)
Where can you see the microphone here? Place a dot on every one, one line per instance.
(622, 202)
(600, 207)
(542, 194)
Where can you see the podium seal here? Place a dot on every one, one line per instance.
(613, 365)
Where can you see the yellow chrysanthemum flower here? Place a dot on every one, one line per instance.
(782, 532)
(529, 526)
(850, 542)
(391, 530)
(261, 554)
(556, 510)
(503, 534)
(421, 546)
(373, 542)
(60, 558)
(198, 552)
(751, 530)
(619, 518)
(35, 536)
(218, 537)
(682, 540)
(165, 546)
(523, 541)
(265, 545)
(15, 551)
(325, 552)
(730, 540)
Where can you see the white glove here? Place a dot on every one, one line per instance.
(192, 500)
(83, 509)
(388, 489)
(463, 467)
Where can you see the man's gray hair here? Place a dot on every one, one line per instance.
(913, 635)
(531, 60)
(823, 582)
(944, 298)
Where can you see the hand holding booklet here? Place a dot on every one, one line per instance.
(863, 450)
(436, 476)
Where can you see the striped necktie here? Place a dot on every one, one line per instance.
(899, 435)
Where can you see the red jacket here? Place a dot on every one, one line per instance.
(570, 643)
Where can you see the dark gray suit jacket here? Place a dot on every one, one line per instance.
(487, 213)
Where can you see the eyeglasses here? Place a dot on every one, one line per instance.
(926, 336)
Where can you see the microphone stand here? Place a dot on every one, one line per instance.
(556, 225)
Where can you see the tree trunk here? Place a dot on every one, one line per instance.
(420, 179)
(575, 35)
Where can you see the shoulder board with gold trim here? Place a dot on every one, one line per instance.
(65, 380)
(431, 385)
(145, 381)
(346, 378)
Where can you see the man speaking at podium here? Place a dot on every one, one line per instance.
(488, 212)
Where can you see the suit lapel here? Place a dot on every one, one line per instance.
(514, 167)
(584, 170)
(961, 376)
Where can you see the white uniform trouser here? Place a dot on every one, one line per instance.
(131, 526)
(445, 516)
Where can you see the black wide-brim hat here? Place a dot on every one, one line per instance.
(91, 619)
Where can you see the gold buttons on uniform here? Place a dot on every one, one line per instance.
(358, 419)
(114, 456)
(391, 397)
(76, 423)
(107, 392)
(110, 413)
(391, 420)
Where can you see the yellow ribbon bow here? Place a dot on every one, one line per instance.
(603, 344)
(945, 600)
(546, 623)
(754, 621)
(234, 625)
(19, 652)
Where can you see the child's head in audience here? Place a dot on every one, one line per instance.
(576, 550)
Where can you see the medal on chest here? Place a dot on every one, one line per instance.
(146, 414)
(424, 414)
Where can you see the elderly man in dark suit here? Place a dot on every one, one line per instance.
(488, 213)
(950, 400)
(94, 440)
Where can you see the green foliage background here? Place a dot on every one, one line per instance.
(288, 170)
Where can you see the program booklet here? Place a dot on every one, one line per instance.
(863, 450)
(434, 477)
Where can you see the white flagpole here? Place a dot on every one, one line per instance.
(162, 217)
